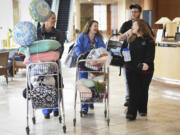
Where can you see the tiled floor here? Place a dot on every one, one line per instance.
(163, 111)
(163, 115)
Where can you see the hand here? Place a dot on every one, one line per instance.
(122, 37)
(129, 32)
(145, 67)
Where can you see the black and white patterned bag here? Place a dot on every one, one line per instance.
(44, 97)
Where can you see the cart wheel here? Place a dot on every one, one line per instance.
(34, 120)
(27, 130)
(105, 113)
(74, 122)
(81, 113)
(108, 120)
(60, 119)
(64, 129)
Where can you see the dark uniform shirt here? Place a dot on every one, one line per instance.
(54, 34)
(126, 26)
(142, 50)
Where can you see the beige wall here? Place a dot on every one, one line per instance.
(121, 12)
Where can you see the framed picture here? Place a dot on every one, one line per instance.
(159, 35)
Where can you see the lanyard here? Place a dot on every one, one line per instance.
(92, 45)
(128, 46)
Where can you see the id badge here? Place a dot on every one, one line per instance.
(126, 54)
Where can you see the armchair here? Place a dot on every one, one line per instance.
(17, 64)
(4, 64)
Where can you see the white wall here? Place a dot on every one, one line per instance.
(24, 10)
(6, 15)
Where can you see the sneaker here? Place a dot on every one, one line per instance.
(56, 113)
(126, 103)
(130, 117)
(143, 114)
(85, 111)
(47, 116)
(91, 106)
(84, 108)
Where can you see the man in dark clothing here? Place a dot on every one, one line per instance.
(53, 34)
(47, 31)
(125, 30)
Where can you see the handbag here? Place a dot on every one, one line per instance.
(71, 58)
(114, 47)
(44, 96)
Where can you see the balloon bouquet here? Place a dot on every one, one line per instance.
(25, 32)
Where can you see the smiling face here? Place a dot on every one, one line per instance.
(51, 21)
(135, 27)
(94, 28)
(135, 13)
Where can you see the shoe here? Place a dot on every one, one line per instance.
(47, 116)
(10, 74)
(85, 111)
(84, 108)
(56, 113)
(130, 117)
(126, 103)
(143, 114)
(91, 106)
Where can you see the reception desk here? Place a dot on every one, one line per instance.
(167, 62)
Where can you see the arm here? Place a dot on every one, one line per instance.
(124, 31)
(78, 45)
(149, 55)
(125, 35)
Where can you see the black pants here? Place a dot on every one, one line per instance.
(138, 83)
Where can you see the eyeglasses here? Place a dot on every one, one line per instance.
(134, 12)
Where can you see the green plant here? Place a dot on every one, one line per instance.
(10, 33)
(99, 87)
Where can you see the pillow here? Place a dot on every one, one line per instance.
(85, 93)
(43, 57)
(41, 46)
(86, 82)
(99, 79)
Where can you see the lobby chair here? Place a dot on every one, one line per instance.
(4, 64)
(17, 64)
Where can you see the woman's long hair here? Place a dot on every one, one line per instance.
(144, 31)
(87, 27)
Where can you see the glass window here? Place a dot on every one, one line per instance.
(100, 15)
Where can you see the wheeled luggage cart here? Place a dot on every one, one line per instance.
(45, 89)
(97, 97)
